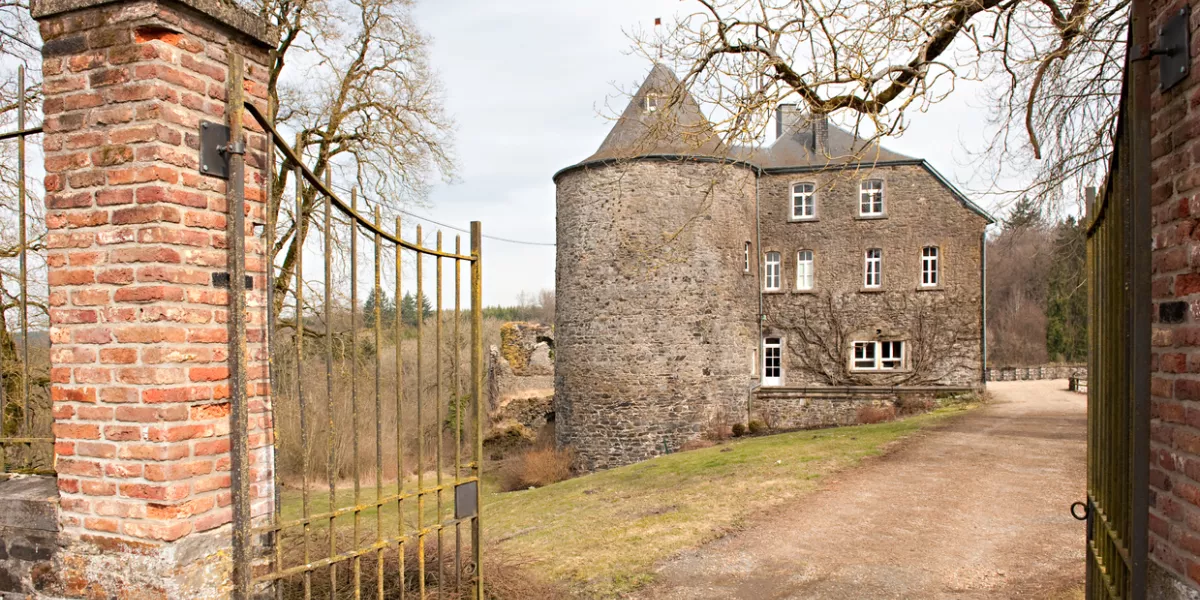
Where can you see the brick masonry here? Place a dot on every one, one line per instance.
(139, 329)
(1175, 338)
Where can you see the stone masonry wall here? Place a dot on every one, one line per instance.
(1175, 291)
(940, 324)
(28, 533)
(139, 325)
(655, 323)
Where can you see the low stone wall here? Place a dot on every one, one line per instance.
(1037, 372)
(815, 408)
(28, 534)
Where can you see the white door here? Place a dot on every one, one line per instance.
(772, 372)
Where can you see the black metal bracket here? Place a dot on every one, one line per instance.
(215, 149)
(1173, 48)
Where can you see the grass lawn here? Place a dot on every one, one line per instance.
(601, 534)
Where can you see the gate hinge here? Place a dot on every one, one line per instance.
(215, 149)
(1173, 47)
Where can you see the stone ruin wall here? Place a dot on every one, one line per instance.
(521, 377)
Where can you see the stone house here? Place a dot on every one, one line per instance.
(701, 283)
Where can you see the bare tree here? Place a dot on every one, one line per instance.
(1055, 70)
(939, 332)
(352, 80)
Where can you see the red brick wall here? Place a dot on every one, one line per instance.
(1175, 384)
(139, 332)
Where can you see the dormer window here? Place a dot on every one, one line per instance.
(870, 198)
(651, 102)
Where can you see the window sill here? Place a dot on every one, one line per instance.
(882, 371)
(805, 292)
(871, 290)
(774, 292)
(930, 288)
(804, 219)
(870, 217)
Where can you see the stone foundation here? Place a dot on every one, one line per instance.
(28, 534)
(815, 408)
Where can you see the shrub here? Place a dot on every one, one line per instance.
(718, 429)
(739, 430)
(913, 405)
(868, 415)
(696, 444)
(757, 427)
(536, 468)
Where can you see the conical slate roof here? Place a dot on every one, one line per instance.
(679, 128)
(675, 127)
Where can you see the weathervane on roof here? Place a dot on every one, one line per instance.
(658, 23)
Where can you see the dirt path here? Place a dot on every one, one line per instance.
(977, 509)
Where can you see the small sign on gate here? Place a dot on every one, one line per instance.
(464, 500)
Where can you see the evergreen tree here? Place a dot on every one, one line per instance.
(387, 310)
(408, 309)
(1066, 297)
(1025, 214)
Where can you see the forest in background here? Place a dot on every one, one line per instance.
(1037, 289)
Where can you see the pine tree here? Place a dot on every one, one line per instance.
(1025, 214)
(1066, 297)
(408, 309)
(387, 310)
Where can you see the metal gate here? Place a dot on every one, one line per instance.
(1118, 255)
(331, 535)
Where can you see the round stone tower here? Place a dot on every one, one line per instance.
(655, 318)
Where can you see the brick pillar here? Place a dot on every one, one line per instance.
(1174, 536)
(139, 325)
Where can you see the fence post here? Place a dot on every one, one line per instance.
(139, 292)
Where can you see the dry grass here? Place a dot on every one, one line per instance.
(870, 415)
(601, 534)
(353, 405)
(507, 577)
(536, 468)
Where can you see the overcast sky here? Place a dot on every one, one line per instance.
(528, 84)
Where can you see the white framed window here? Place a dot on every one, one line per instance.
(651, 102)
(804, 201)
(877, 356)
(804, 270)
(873, 268)
(772, 279)
(930, 277)
(870, 198)
(746, 257)
(772, 371)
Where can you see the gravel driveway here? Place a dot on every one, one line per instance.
(975, 509)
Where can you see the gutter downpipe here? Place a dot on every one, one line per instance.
(983, 305)
(758, 282)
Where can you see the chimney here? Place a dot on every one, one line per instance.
(791, 118)
(820, 133)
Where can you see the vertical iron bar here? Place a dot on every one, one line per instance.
(235, 231)
(1140, 306)
(458, 408)
(378, 405)
(269, 268)
(437, 364)
(420, 423)
(331, 432)
(24, 255)
(477, 392)
(354, 384)
(399, 326)
(298, 240)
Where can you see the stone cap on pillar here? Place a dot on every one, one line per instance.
(226, 12)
